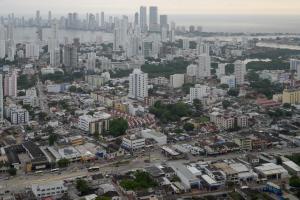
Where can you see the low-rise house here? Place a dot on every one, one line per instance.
(271, 171)
(55, 189)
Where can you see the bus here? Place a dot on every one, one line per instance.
(93, 169)
(54, 170)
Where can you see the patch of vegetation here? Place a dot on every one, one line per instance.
(63, 162)
(120, 73)
(188, 127)
(12, 171)
(82, 186)
(263, 86)
(273, 53)
(60, 77)
(170, 112)
(271, 65)
(233, 92)
(295, 158)
(118, 127)
(25, 81)
(176, 66)
(142, 180)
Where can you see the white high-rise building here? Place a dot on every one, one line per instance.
(153, 19)
(295, 65)
(102, 20)
(49, 17)
(10, 84)
(124, 32)
(117, 39)
(55, 57)
(138, 85)
(198, 92)
(164, 21)
(203, 70)
(202, 48)
(239, 72)
(185, 44)
(176, 80)
(70, 56)
(32, 51)
(53, 45)
(172, 35)
(19, 116)
(143, 18)
(221, 70)
(164, 34)
(91, 61)
(3, 42)
(2, 49)
(1, 98)
(134, 45)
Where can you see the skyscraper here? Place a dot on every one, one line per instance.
(153, 19)
(3, 35)
(239, 72)
(32, 50)
(117, 39)
(138, 85)
(91, 61)
(295, 66)
(1, 98)
(164, 21)
(10, 84)
(49, 18)
(143, 18)
(38, 18)
(203, 70)
(102, 20)
(70, 57)
(136, 19)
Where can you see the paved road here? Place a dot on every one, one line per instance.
(20, 182)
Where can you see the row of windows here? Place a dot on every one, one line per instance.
(38, 189)
(51, 193)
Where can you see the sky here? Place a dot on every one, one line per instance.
(247, 7)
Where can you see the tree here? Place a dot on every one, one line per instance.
(52, 139)
(72, 88)
(225, 104)
(43, 116)
(26, 82)
(287, 105)
(278, 160)
(63, 162)
(186, 87)
(103, 198)
(188, 127)
(224, 86)
(233, 92)
(118, 127)
(21, 93)
(294, 181)
(82, 186)
(229, 69)
(12, 171)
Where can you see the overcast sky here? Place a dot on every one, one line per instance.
(165, 6)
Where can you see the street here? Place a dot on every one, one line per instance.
(18, 183)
